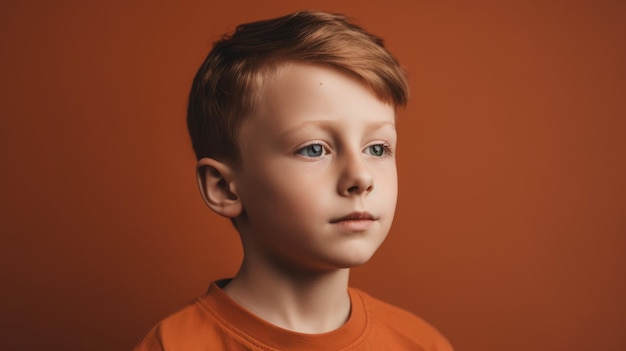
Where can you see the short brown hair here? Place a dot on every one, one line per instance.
(227, 85)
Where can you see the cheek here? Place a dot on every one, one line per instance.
(279, 189)
(387, 179)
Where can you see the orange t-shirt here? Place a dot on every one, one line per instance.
(216, 322)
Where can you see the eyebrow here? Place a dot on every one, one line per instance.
(329, 123)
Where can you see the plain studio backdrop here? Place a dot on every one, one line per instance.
(511, 222)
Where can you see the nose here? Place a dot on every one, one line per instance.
(356, 177)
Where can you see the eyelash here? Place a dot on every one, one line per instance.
(302, 151)
(386, 150)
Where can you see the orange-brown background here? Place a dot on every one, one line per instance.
(510, 228)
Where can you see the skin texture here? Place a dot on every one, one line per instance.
(315, 194)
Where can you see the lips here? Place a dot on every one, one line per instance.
(355, 216)
(355, 222)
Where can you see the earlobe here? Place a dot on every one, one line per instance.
(215, 180)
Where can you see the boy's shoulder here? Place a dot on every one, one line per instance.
(178, 331)
(401, 325)
(215, 322)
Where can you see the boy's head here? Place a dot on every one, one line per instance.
(293, 124)
(229, 83)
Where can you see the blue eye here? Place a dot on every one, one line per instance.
(313, 150)
(376, 150)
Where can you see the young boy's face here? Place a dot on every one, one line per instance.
(318, 180)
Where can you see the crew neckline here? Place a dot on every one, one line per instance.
(262, 333)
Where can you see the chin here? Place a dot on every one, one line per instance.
(341, 261)
(356, 258)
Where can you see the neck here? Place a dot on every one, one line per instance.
(312, 302)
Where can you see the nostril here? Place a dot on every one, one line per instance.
(355, 189)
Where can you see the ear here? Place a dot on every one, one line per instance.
(215, 180)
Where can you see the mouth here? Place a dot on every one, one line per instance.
(355, 216)
(355, 221)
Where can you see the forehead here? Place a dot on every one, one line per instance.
(299, 93)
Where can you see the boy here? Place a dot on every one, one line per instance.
(293, 123)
